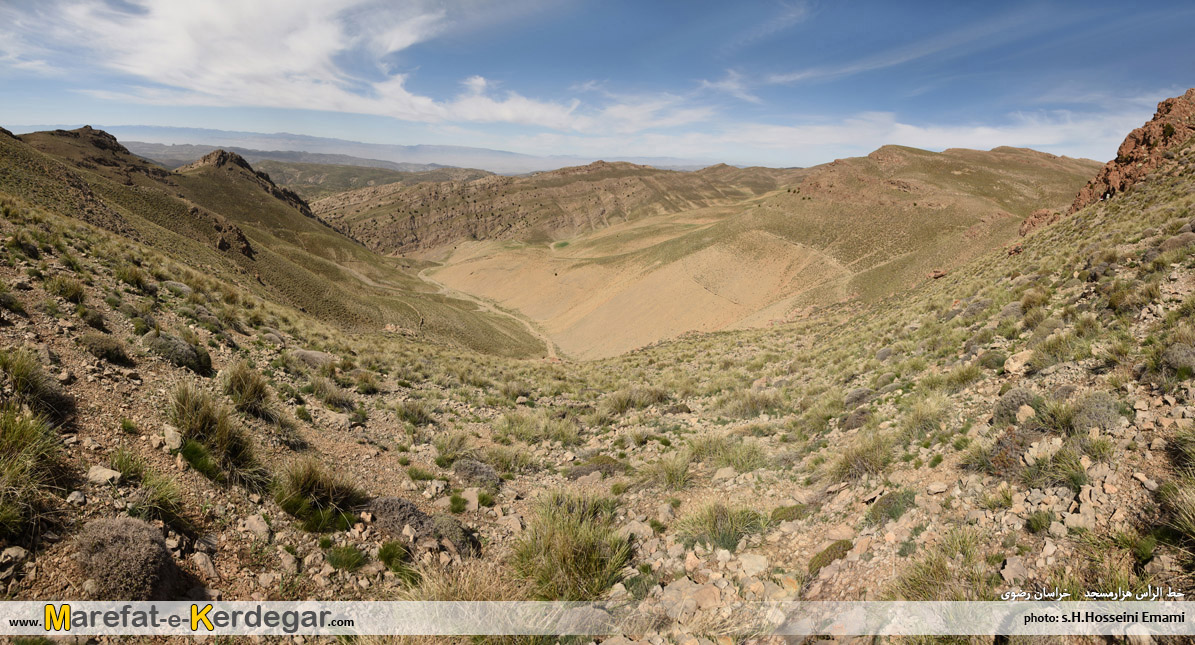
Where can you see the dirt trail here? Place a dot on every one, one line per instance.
(492, 308)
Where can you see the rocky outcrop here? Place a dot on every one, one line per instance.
(225, 159)
(1037, 219)
(1143, 150)
(229, 236)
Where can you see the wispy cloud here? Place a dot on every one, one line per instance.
(788, 14)
(972, 38)
(733, 84)
(290, 53)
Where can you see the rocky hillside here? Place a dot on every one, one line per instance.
(314, 181)
(222, 217)
(1026, 420)
(541, 207)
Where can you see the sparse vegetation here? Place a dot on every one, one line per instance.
(570, 550)
(249, 390)
(106, 347)
(721, 526)
(320, 499)
(32, 386)
(215, 444)
(29, 451)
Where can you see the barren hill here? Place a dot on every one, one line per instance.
(750, 255)
(316, 180)
(545, 206)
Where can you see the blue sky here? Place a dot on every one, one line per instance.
(774, 83)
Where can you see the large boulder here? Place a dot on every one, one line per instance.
(1180, 241)
(1180, 357)
(179, 352)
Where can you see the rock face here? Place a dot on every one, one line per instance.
(1143, 150)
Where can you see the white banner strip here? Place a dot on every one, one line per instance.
(595, 619)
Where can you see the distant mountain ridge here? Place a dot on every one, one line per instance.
(180, 154)
(498, 161)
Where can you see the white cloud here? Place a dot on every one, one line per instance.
(290, 54)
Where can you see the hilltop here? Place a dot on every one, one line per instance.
(1024, 421)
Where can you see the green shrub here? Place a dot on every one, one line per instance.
(571, 550)
(91, 318)
(415, 412)
(890, 506)
(134, 277)
(451, 446)
(1039, 521)
(636, 398)
(868, 455)
(671, 472)
(200, 458)
(249, 390)
(159, 498)
(331, 394)
(396, 557)
(29, 451)
(67, 288)
(33, 387)
(510, 460)
(419, 474)
(836, 551)
(320, 499)
(926, 416)
(367, 383)
(790, 513)
(130, 466)
(721, 526)
(749, 403)
(725, 450)
(201, 419)
(346, 558)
